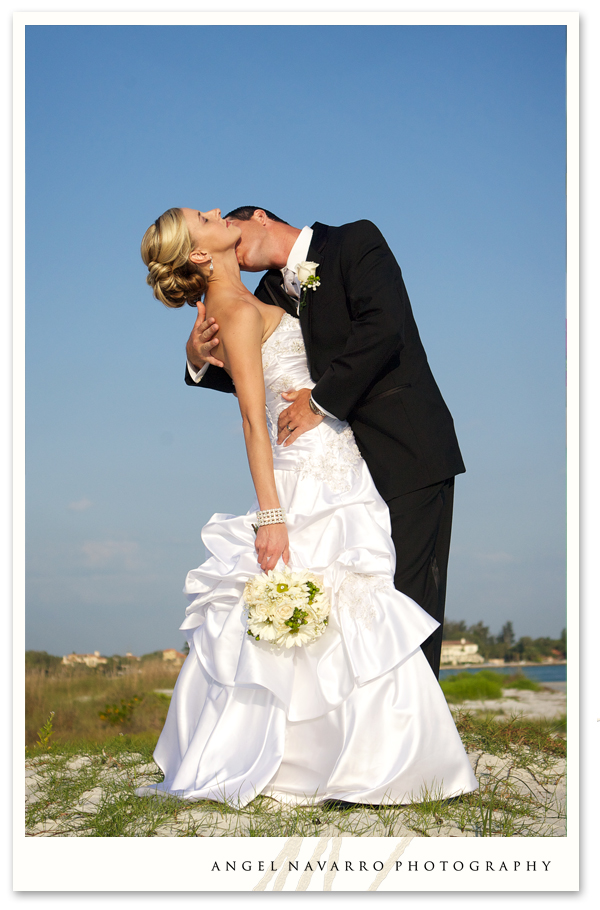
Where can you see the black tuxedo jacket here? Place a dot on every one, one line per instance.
(367, 360)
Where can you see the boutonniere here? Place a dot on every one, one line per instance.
(308, 278)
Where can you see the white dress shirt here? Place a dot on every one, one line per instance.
(298, 254)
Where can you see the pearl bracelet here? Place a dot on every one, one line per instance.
(270, 517)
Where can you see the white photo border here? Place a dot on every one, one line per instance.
(180, 864)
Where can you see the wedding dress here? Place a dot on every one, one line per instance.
(357, 715)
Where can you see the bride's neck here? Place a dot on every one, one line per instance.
(225, 276)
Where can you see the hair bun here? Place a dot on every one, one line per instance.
(166, 247)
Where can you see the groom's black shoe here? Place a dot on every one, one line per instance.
(343, 806)
(340, 804)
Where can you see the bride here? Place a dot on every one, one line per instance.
(356, 715)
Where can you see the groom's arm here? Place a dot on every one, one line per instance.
(214, 378)
(201, 367)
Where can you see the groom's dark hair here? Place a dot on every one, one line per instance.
(245, 213)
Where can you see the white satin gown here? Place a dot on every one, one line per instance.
(358, 714)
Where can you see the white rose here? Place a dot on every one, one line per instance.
(283, 611)
(306, 270)
(260, 611)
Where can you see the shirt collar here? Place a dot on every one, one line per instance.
(299, 251)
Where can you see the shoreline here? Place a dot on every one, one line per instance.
(509, 666)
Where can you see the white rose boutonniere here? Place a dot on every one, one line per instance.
(307, 275)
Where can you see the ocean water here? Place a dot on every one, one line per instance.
(539, 672)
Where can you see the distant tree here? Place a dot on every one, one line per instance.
(496, 650)
(153, 655)
(480, 633)
(507, 635)
(41, 660)
(531, 649)
(185, 649)
(454, 631)
(504, 645)
(544, 646)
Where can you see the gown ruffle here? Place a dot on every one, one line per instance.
(356, 715)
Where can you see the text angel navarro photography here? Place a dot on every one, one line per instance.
(440, 865)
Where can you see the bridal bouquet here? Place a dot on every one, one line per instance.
(286, 608)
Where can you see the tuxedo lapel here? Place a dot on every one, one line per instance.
(316, 253)
(317, 244)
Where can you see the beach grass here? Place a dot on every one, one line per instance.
(90, 739)
(92, 794)
(79, 696)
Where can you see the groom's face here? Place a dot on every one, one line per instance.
(251, 249)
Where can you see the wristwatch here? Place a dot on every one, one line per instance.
(315, 408)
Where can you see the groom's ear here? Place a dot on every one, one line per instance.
(259, 215)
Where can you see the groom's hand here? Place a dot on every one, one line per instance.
(202, 340)
(298, 418)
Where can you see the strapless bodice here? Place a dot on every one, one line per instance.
(329, 452)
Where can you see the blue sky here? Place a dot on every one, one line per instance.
(450, 138)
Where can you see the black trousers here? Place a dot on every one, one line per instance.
(421, 526)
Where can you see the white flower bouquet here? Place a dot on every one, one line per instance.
(286, 608)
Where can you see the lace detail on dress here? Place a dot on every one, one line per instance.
(355, 593)
(338, 464)
(283, 384)
(284, 340)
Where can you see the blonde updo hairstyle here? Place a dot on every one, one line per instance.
(166, 249)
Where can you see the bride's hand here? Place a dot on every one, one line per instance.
(271, 544)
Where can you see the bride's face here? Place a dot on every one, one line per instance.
(209, 232)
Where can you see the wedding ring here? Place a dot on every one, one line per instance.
(288, 428)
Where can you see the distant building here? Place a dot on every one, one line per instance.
(554, 657)
(131, 656)
(173, 656)
(460, 652)
(90, 660)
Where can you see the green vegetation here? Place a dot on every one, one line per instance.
(485, 684)
(526, 738)
(520, 681)
(504, 646)
(45, 733)
(121, 713)
(41, 660)
(79, 695)
(471, 686)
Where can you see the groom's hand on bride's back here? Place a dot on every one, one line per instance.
(298, 418)
(202, 340)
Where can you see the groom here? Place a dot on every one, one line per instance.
(370, 368)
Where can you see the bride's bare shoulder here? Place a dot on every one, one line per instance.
(243, 313)
(240, 319)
